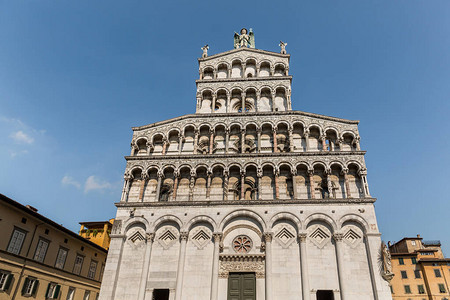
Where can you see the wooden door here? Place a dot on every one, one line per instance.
(241, 286)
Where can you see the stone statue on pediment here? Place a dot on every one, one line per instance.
(244, 39)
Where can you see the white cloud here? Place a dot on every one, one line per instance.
(93, 183)
(15, 153)
(22, 137)
(67, 180)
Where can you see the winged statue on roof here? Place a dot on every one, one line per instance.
(244, 39)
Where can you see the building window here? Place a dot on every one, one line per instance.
(61, 258)
(413, 260)
(404, 275)
(421, 289)
(413, 243)
(92, 269)
(41, 250)
(407, 289)
(441, 288)
(401, 261)
(52, 291)
(16, 241)
(78, 264)
(437, 272)
(70, 293)
(5, 280)
(417, 274)
(29, 286)
(87, 294)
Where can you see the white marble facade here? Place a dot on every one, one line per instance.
(245, 185)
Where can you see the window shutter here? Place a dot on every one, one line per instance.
(56, 292)
(8, 282)
(35, 286)
(48, 289)
(24, 287)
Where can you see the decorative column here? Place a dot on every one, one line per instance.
(258, 97)
(229, 72)
(213, 104)
(196, 141)
(277, 188)
(291, 140)
(323, 139)
(329, 183)
(243, 102)
(134, 148)
(273, 100)
(180, 143)
(340, 142)
(208, 184)
(191, 185)
(304, 266)
(340, 263)
(228, 102)
(199, 102)
(363, 174)
(288, 98)
(259, 174)
(149, 147)
(180, 270)
(215, 267)
(144, 178)
(272, 70)
(243, 140)
(306, 136)
(227, 139)
(165, 142)
(242, 184)
(158, 186)
(225, 184)
(347, 185)
(311, 184)
(243, 66)
(176, 174)
(294, 183)
(126, 187)
(258, 132)
(275, 143)
(258, 68)
(211, 141)
(356, 143)
(148, 252)
(268, 240)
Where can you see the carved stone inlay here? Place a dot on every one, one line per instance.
(351, 238)
(200, 239)
(167, 239)
(242, 244)
(319, 237)
(242, 263)
(285, 238)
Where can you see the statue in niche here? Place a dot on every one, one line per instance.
(246, 39)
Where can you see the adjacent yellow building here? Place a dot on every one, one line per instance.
(97, 232)
(40, 259)
(421, 271)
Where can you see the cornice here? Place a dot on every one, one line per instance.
(244, 203)
(233, 51)
(247, 155)
(236, 115)
(250, 79)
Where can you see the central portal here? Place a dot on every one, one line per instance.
(241, 286)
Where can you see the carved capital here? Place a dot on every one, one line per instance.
(150, 237)
(184, 236)
(344, 171)
(144, 176)
(268, 236)
(302, 237)
(217, 237)
(338, 237)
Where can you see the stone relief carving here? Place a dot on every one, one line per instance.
(241, 263)
(200, 239)
(167, 239)
(352, 239)
(285, 238)
(319, 237)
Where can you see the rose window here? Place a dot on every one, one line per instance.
(242, 244)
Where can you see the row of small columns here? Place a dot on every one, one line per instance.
(181, 139)
(243, 75)
(145, 177)
(268, 236)
(243, 96)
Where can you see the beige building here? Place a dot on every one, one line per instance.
(40, 259)
(420, 269)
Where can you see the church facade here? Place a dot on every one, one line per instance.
(246, 199)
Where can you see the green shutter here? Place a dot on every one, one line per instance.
(24, 287)
(48, 289)
(8, 282)
(56, 293)
(35, 286)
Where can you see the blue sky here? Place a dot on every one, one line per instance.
(75, 76)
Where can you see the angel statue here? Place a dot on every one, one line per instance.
(244, 39)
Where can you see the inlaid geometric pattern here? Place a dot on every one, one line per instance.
(136, 237)
(242, 244)
(352, 238)
(319, 237)
(284, 237)
(201, 239)
(167, 239)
